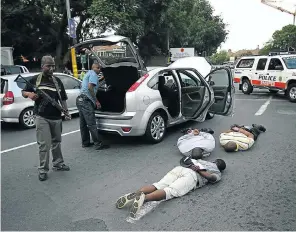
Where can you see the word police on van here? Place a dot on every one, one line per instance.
(275, 73)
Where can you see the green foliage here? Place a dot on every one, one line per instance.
(219, 58)
(38, 27)
(281, 40)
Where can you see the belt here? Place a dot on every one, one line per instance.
(84, 97)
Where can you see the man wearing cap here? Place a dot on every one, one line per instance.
(87, 103)
(240, 138)
(191, 174)
(196, 143)
(48, 117)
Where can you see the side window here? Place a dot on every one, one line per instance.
(261, 64)
(245, 63)
(220, 77)
(15, 70)
(275, 64)
(69, 83)
(188, 79)
(153, 83)
(169, 80)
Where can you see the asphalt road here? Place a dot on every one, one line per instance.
(257, 190)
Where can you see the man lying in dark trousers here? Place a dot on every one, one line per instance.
(240, 137)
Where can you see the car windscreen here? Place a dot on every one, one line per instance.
(290, 62)
(110, 53)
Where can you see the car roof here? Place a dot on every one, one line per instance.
(13, 76)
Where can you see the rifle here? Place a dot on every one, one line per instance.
(44, 95)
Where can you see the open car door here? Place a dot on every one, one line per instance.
(113, 51)
(196, 94)
(221, 81)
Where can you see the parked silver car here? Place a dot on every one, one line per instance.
(138, 102)
(16, 109)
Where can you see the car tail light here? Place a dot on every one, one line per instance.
(8, 98)
(126, 129)
(138, 83)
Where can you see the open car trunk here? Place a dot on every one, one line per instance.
(118, 81)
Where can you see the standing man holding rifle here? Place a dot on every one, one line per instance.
(48, 115)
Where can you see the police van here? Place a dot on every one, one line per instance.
(275, 73)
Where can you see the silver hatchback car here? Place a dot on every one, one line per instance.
(16, 109)
(137, 102)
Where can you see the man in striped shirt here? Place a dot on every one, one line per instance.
(240, 138)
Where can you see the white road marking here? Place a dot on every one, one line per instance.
(33, 143)
(263, 107)
(259, 99)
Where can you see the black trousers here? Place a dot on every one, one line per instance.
(88, 123)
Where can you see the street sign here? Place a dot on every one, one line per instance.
(83, 59)
(178, 53)
(72, 28)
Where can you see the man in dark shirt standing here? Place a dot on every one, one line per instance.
(48, 117)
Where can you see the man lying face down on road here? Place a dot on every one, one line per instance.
(196, 143)
(179, 181)
(240, 138)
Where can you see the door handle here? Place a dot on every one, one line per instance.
(256, 73)
(267, 73)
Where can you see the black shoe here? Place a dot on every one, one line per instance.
(207, 130)
(102, 147)
(87, 145)
(61, 167)
(42, 176)
(259, 127)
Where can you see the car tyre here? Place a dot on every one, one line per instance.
(247, 88)
(291, 92)
(156, 128)
(210, 116)
(27, 118)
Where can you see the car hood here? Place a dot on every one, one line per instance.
(198, 63)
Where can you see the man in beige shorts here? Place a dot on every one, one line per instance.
(191, 174)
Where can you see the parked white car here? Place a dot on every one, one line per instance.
(138, 102)
(17, 109)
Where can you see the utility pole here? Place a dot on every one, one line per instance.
(268, 3)
(72, 33)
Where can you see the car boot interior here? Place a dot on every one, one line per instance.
(170, 97)
(118, 81)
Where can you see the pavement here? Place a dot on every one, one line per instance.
(257, 190)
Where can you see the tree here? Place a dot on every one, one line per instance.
(284, 38)
(281, 40)
(38, 27)
(192, 24)
(219, 58)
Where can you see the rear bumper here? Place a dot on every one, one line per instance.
(115, 123)
(10, 113)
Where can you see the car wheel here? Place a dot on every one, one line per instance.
(27, 118)
(273, 90)
(247, 88)
(156, 128)
(291, 92)
(210, 115)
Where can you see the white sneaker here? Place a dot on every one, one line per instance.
(125, 200)
(138, 202)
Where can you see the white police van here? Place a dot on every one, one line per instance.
(275, 73)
